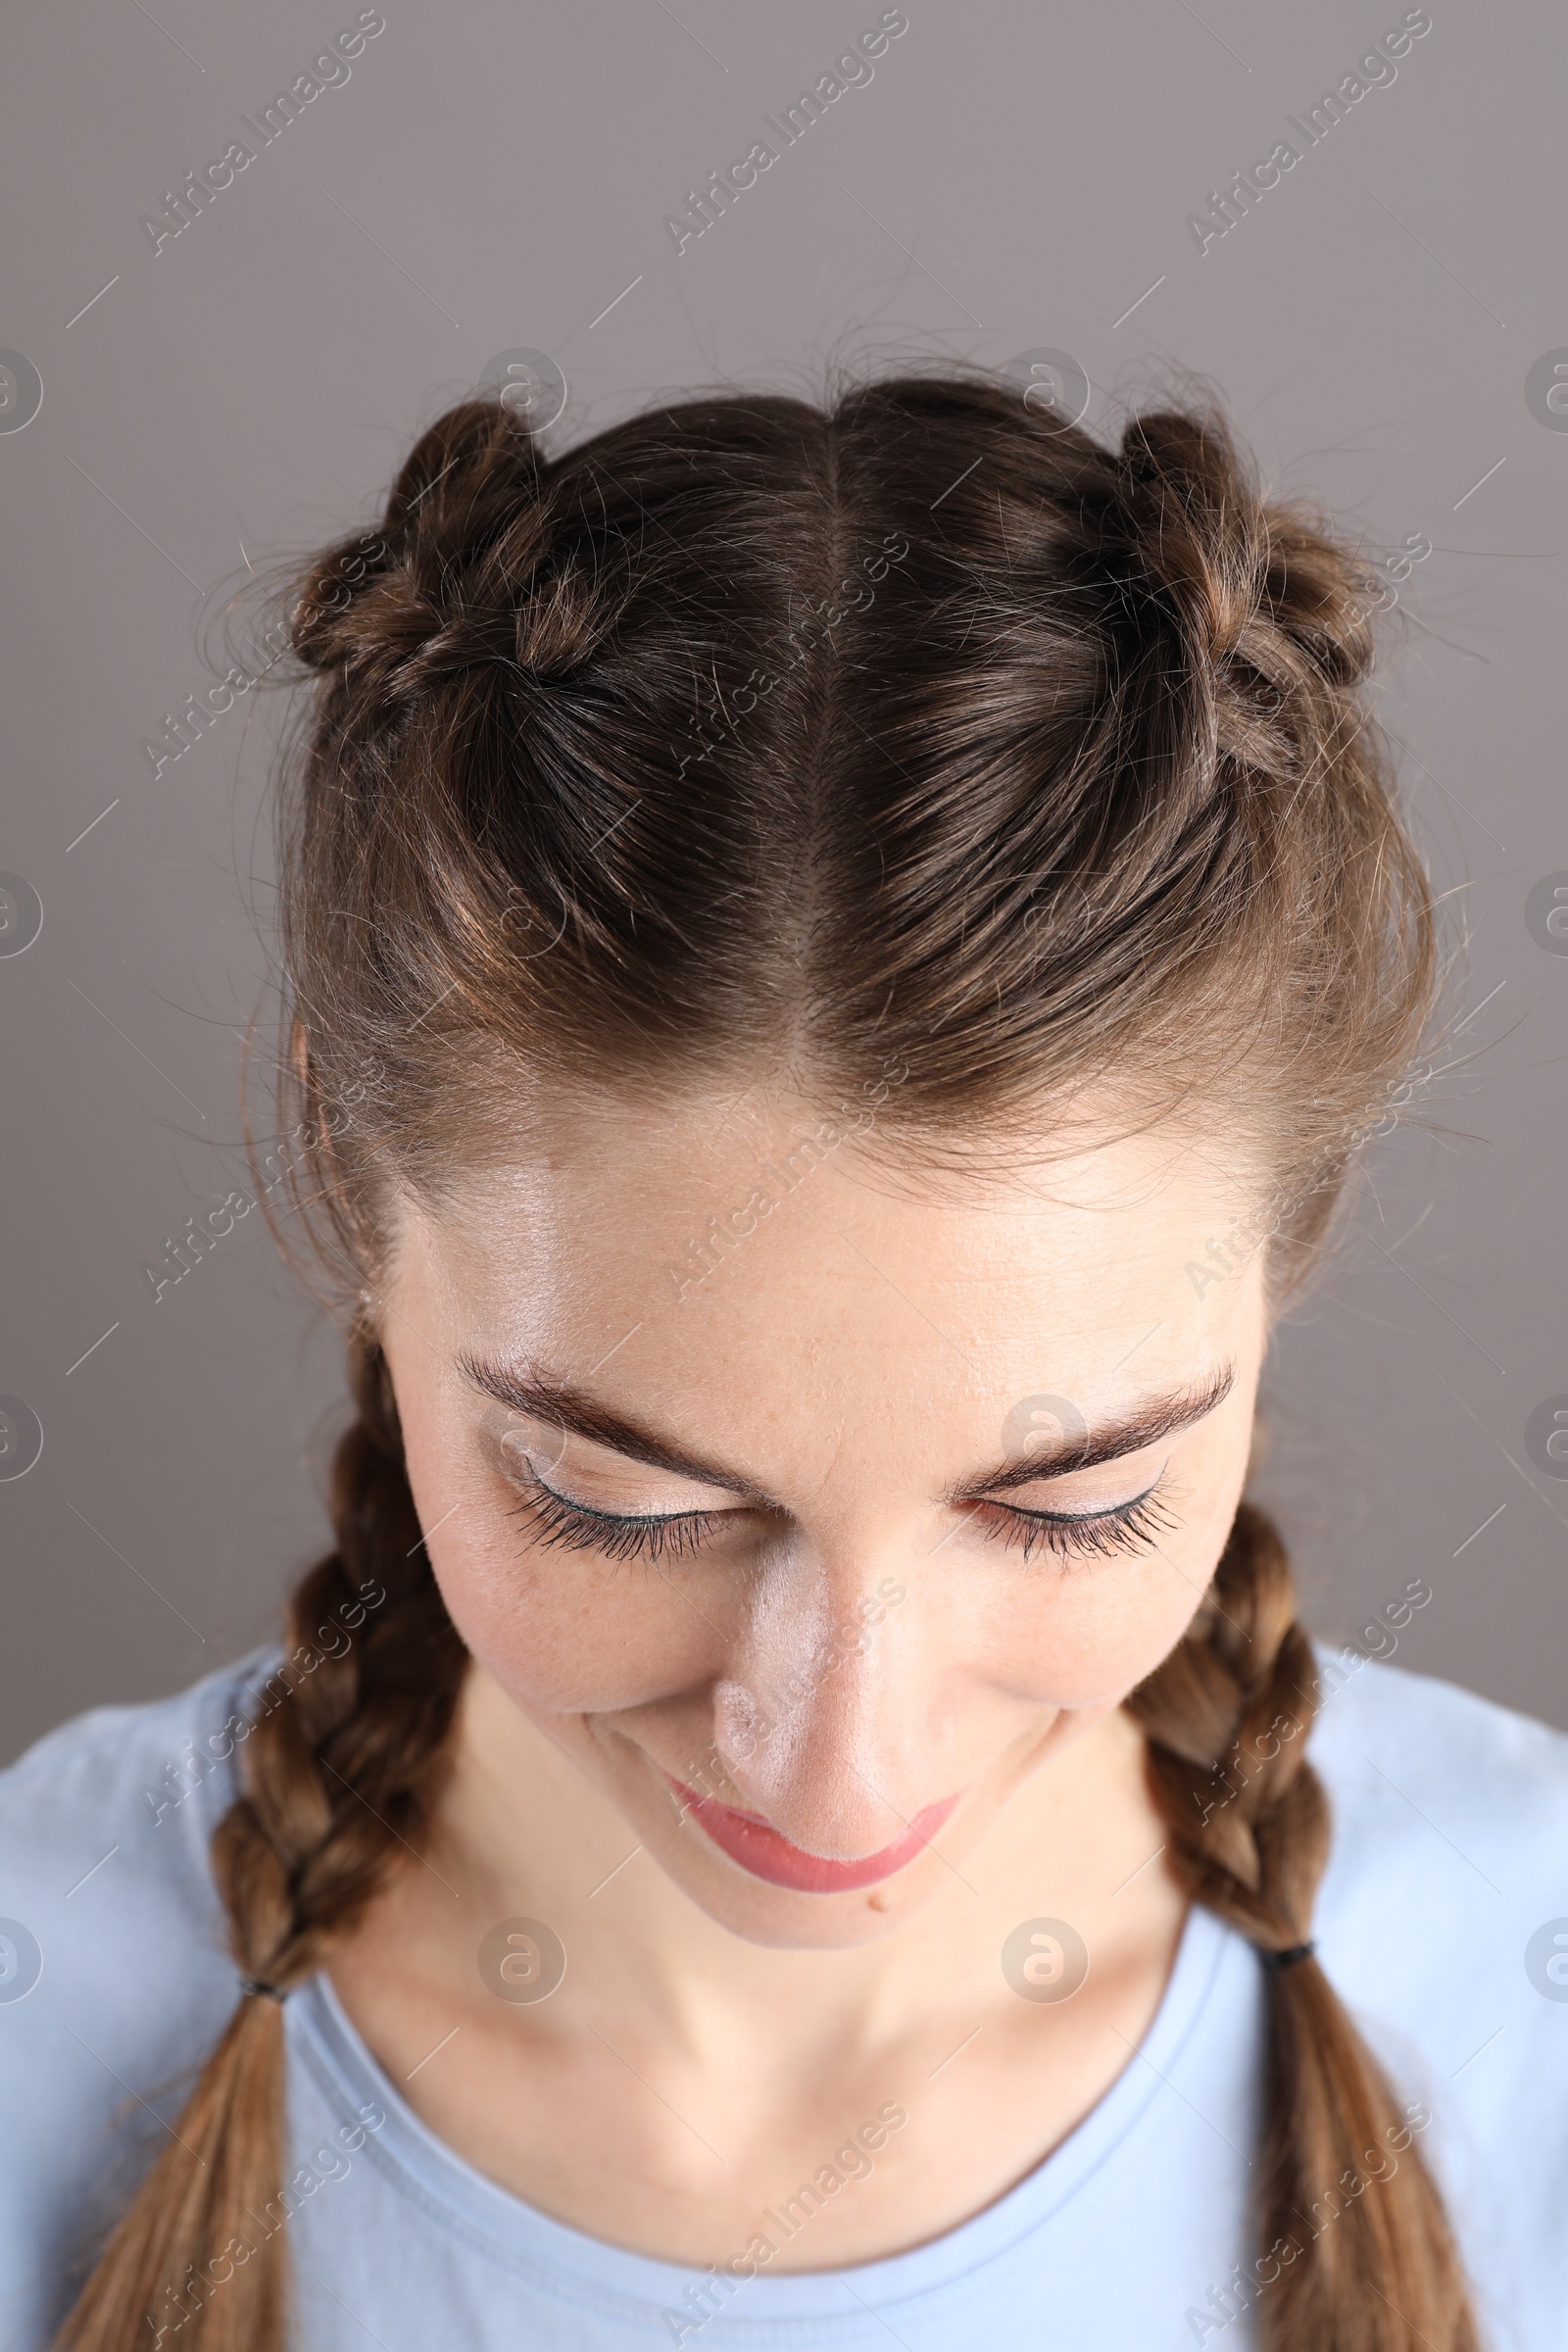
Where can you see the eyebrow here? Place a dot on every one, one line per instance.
(561, 1403)
(576, 1410)
(1144, 1424)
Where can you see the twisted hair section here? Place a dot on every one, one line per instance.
(756, 738)
(338, 1782)
(1354, 2250)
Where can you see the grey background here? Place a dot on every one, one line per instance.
(497, 176)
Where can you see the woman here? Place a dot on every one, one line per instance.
(837, 966)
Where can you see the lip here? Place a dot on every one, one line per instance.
(758, 1847)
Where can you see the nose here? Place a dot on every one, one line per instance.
(826, 1719)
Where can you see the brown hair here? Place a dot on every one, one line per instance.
(912, 733)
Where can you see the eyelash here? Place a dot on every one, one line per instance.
(575, 1528)
(1091, 1535)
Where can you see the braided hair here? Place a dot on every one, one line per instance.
(913, 730)
(1237, 1695)
(335, 1781)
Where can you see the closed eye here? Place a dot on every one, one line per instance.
(618, 1535)
(1128, 1527)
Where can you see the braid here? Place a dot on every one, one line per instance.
(1237, 1697)
(339, 1781)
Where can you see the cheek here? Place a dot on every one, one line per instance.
(1079, 1635)
(560, 1630)
(563, 1631)
(1084, 1636)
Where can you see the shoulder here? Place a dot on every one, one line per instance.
(1443, 1922)
(105, 1826)
(115, 1978)
(144, 1781)
(1426, 1778)
(103, 1833)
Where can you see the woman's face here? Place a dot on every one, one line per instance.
(816, 1555)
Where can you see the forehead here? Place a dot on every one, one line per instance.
(765, 1251)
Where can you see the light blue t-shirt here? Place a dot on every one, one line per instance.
(1443, 1921)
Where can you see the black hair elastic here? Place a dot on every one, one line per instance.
(1289, 1957)
(255, 1985)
